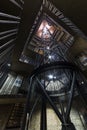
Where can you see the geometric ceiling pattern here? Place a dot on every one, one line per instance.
(51, 36)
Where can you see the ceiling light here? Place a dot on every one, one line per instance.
(54, 77)
(48, 48)
(8, 64)
(50, 76)
(25, 61)
(50, 57)
(82, 82)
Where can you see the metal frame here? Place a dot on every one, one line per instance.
(43, 125)
(7, 43)
(9, 22)
(8, 31)
(17, 4)
(63, 116)
(26, 111)
(9, 16)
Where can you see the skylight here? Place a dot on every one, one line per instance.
(49, 38)
(45, 30)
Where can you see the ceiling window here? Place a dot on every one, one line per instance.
(45, 30)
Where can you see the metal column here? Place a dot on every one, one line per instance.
(43, 125)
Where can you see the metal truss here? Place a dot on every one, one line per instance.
(39, 87)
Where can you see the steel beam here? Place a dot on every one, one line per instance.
(8, 35)
(71, 97)
(26, 111)
(43, 125)
(9, 16)
(7, 43)
(9, 22)
(49, 100)
(22, 1)
(16, 3)
(8, 31)
(35, 104)
(68, 125)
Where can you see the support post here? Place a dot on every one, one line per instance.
(71, 97)
(26, 111)
(69, 125)
(49, 100)
(43, 125)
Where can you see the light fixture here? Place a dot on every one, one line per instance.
(50, 57)
(25, 61)
(82, 82)
(50, 76)
(8, 64)
(47, 47)
(54, 77)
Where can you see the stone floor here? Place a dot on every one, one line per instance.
(76, 119)
(4, 115)
(53, 122)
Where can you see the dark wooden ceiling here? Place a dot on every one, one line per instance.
(75, 10)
